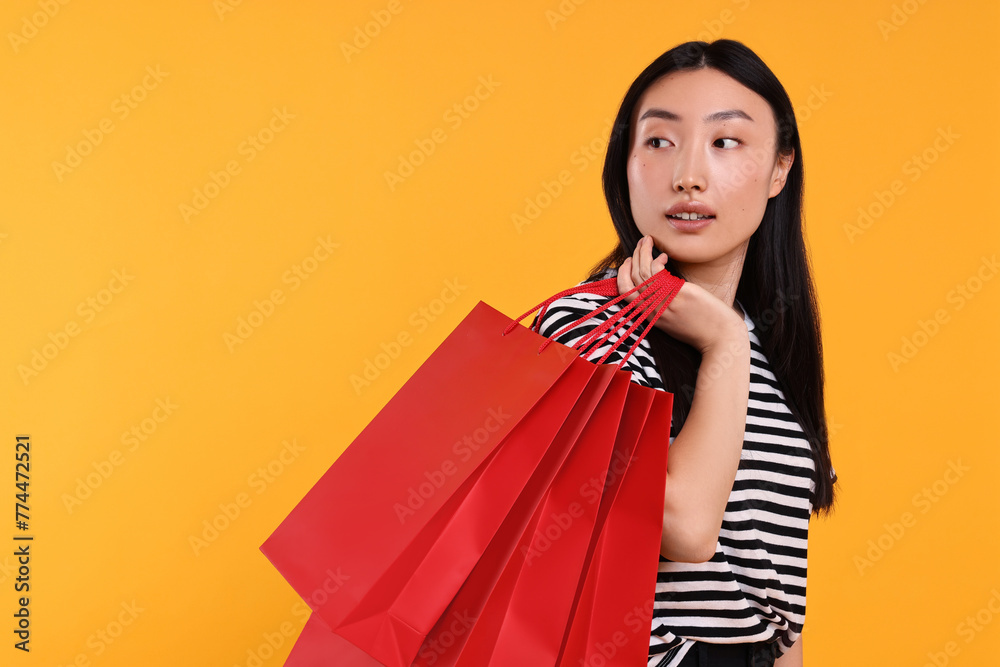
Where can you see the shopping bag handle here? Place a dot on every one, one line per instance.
(655, 294)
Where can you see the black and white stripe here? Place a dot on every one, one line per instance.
(754, 587)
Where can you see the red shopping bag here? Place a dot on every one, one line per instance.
(318, 646)
(485, 504)
(536, 615)
(391, 483)
(415, 605)
(534, 630)
(465, 617)
(613, 614)
(390, 601)
(481, 602)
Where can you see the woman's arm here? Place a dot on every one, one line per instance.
(792, 657)
(705, 455)
(703, 458)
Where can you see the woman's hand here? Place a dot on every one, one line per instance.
(705, 454)
(695, 315)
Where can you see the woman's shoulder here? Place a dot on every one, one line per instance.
(587, 299)
(571, 317)
(572, 307)
(590, 296)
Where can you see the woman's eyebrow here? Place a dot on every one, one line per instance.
(728, 114)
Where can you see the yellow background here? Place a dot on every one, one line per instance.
(874, 85)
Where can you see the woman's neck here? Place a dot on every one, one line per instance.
(721, 278)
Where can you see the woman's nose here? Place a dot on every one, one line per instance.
(689, 171)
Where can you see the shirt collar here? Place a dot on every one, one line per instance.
(746, 317)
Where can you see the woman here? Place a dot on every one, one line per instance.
(704, 177)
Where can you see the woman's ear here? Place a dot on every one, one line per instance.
(781, 169)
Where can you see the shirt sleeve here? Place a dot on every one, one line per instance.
(574, 308)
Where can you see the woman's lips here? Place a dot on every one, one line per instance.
(690, 225)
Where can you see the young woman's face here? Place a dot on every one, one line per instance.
(701, 136)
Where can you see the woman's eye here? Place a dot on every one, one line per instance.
(655, 142)
(736, 142)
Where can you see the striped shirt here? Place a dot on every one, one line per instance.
(754, 587)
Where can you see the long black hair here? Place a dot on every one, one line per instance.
(775, 288)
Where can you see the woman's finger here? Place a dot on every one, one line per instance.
(645, 258)
(660, 263)
(636, 259)
(625, 278)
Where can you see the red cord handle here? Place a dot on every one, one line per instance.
(655, 294)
